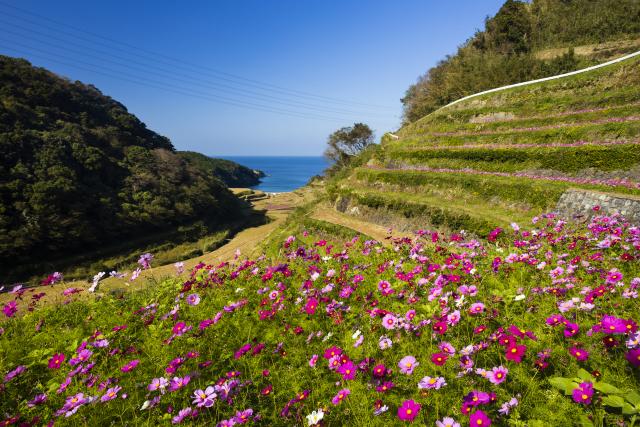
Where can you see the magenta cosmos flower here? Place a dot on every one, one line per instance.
(439, 358)
(56, 361)
(347, 370)
(407, 364)
(10, 308)
(479, 419)
(111, 394)
(583, 393)
(340, 396)
(515, 352)
(409, 410)
(130, 366)
(580, 354)
(633, 356)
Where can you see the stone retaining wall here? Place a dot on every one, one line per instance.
(580, 204)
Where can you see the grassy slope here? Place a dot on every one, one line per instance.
(520, 150)
(286, 353)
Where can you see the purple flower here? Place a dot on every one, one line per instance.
(177, 382)
(206, 397)
(184, 413)
(10, 308)
(111, 394)
(583, 393)
(242, 417)
(407, 364)
(340, 396)
(434, 383)
(158, 384)
(37, 400)
(12, 374)
(145, 261)
(130, 366)
(193, 299)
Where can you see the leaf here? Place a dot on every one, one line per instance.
(629, 410)
(633, 397)
(565, 384)
(606, 388)
(584, 375)
(585, 421)
(613, 401)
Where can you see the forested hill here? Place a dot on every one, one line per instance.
(231, 173)
(525, 41)
(78, 171)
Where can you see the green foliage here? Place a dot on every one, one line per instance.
(346, 143)
(231, 173)
(80, 172)
(504, 52)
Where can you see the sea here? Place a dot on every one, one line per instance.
(284, 173)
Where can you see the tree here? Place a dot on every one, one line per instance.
(347, 142)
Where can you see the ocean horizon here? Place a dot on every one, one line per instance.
(284, 173)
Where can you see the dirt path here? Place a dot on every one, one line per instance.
(326, 213)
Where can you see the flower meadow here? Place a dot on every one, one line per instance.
(531, 326)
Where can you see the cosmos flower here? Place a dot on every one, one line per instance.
(111, 394)
(498, 374)
(193, 299)
(315, 417)
(206, 397)
(407, 364)
(479, 419)
(434, 383)
(340, 396)
(579, 353)
(409, 410)
(439, 358)
(389, 321)
(583, 393)
(347, 370)
(447, 422)
(56, 361)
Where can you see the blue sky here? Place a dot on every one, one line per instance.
(245, 77)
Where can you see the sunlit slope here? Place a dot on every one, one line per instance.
(506, 156)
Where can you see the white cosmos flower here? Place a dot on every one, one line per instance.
(519, 297)
(315, 417)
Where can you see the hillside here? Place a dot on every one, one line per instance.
(526, 41)
(507, 156)
(79, 173)
(231, 173)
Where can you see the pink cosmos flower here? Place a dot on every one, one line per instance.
(407, 364)
(409, 410)
(206, 397)
(339, 397)
(130, 366)
(447, 422)
(193, 299)
(433, 383)
(184, 413)
(389, 321)
(498, 374)
(313, 360)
